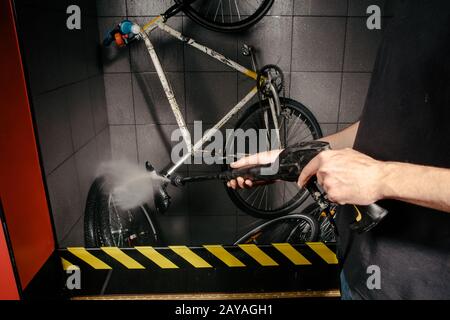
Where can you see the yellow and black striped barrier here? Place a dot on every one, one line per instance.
(278, 267)
(206, 256)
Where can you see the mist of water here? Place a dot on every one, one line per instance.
(131, 185)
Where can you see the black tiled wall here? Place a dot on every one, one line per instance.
(68, 98)
(323, 46)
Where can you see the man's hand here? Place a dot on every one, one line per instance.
(347, 176)
(253, 160)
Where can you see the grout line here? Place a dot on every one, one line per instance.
(292, 49)
(134, 115)
(66, 85)
(342, 68)
(76, 151)
(71, 229)
(188, 201)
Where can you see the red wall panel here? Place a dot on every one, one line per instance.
(7, 282)
(21, 185)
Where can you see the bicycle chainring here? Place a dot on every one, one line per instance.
(270, 74)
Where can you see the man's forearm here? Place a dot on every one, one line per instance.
(420, 185)
(343, 139)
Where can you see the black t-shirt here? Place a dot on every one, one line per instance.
(406, 118)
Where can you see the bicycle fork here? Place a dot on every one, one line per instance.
(274, 101)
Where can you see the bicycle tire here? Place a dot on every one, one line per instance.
(266, 232)
(90, 236)
(98, 228)
(227, 27)
(316, 133)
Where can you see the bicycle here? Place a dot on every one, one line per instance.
(222, 15)
(285, 120)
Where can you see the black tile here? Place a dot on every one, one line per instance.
(123, 142)
(81, 118)
(209, 198)
(174, 229)
(212, 230)
(320, 7)
(64, 196)
(98, 103)
(150, 101)
(111, 8)
(210, 95)
(353, 97)
(119, 98)
(147, 8)
(54, 129)
(318, 44)
(87, 163)
(361, 45)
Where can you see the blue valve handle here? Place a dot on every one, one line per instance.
(125, 29)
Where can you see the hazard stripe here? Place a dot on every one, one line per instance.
(324, 252)
(124, 259)
(87, 257)
(296, 257)
(68, 265)
(224, 255)
(188, 255)
(257, 254)
(157, 258)
(229, 256)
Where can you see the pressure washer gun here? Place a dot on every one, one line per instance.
(288, 167)
(123, 34)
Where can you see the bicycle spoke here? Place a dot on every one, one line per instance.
(303, 130)
(262, 197)
(217, 11)
(237, 10)
(254, 191)
(296, 123)
(267, 198)
(257, 197)
(221, 9)
(305, 138)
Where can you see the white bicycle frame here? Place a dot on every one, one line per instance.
(158, 22)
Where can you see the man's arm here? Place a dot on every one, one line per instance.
(349, 176)
(421, 185)
(342, 139)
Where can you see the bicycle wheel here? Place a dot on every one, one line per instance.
(108, 225)
(227, 15)
(296, 124)
(294, 229)
(90, 238)
(326, 228)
